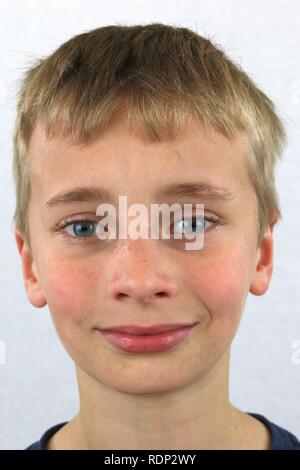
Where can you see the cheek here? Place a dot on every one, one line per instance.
(220, 285)
(70, 290)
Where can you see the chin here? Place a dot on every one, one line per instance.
(137, 387)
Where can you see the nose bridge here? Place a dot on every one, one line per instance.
(139, 273)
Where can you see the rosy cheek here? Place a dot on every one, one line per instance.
(219, 285)
(68, 291)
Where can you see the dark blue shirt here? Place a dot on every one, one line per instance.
(281, 439)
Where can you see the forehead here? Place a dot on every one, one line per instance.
(124, 159)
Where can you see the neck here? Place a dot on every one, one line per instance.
(197, 415)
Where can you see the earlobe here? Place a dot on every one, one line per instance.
(264, 263)
(30, 275)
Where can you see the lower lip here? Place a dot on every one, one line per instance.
(145, 344)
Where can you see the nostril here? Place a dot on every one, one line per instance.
(161, 294)
(121, 295)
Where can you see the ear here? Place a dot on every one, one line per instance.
(30, 276)
(264, 261)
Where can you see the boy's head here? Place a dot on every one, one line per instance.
(132, 110)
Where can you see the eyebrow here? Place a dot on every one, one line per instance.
(80, 194)
(206, 191)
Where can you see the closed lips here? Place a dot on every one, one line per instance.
(147, 330)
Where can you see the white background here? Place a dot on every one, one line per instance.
(37, 379)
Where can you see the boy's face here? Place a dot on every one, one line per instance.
(90, 283)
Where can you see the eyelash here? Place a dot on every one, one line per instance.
(64, 224)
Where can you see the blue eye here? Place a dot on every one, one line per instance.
(84, 228)
(78, 229)
(186, 225)
(193, 225)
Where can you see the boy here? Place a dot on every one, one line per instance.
(160, 115)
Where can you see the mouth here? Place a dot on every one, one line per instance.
(151, 339)
(147, 330)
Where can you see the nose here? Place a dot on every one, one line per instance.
(139, 275)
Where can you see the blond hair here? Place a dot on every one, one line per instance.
(163, 74)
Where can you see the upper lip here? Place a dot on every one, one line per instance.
(147, 330)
